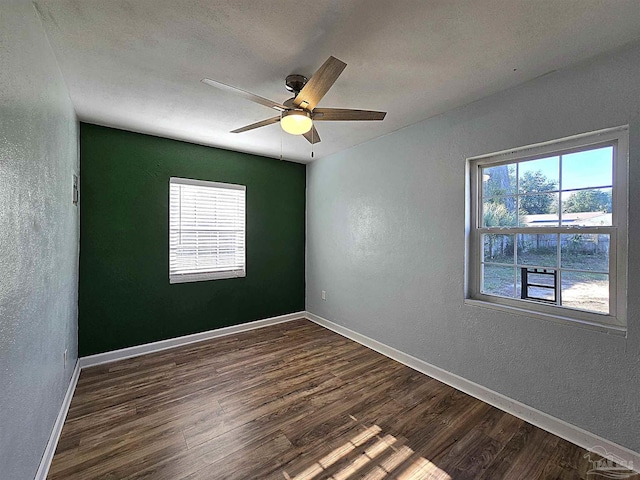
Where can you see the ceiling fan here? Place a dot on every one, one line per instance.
(298, 114)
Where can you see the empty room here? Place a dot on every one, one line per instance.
(328, 239)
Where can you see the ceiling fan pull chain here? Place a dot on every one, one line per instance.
(313, 140)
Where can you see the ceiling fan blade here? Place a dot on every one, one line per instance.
(344, 114)
(244, 94)
(263, 123)
(312, 136)
(319, 84)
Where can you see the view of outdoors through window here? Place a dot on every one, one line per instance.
(565, 263)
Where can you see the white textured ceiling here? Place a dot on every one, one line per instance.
(137, 64)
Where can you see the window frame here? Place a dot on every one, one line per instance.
(210, 275)
(616, 320)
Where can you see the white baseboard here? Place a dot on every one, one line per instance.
(562, 429)
(121, 354)
(50, 449)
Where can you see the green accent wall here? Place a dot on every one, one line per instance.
(125, 298)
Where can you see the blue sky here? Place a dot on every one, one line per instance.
(592, 168)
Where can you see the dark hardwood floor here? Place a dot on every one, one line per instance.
(292, 401)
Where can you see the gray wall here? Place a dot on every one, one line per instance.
(385, 230)
(38, 240)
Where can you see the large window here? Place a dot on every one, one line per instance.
(206, 230)
(548, 229)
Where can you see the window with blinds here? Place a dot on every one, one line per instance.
(206, 230)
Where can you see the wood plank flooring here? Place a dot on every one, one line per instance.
(292, 401)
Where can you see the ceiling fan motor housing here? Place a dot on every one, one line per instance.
(295, 82)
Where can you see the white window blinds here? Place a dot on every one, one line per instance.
(206, 230)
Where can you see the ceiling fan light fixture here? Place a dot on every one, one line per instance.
(296, 122)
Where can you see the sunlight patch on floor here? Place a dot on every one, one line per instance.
(340, 452)
(397, 455)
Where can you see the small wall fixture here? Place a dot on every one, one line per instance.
(76, 192)
(296, 122)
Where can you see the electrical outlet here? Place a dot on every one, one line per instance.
(65, 358)
(324, 295)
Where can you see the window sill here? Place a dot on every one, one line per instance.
(201, 277)
(598, 327)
